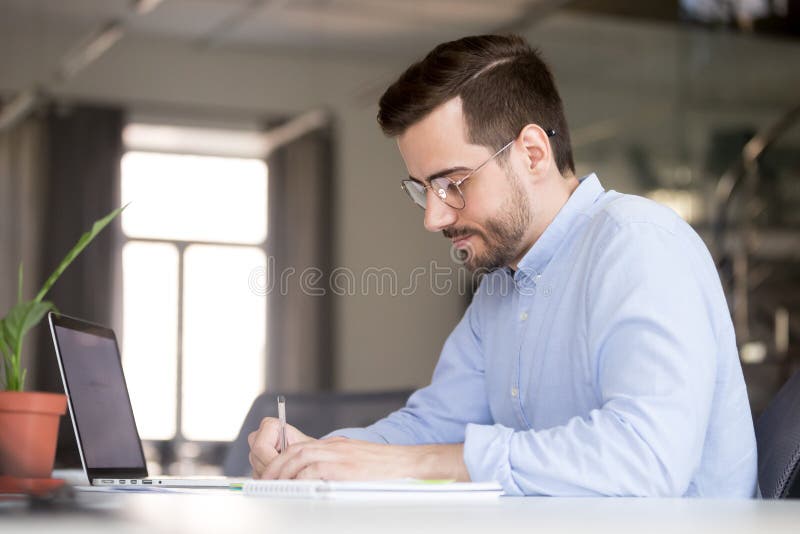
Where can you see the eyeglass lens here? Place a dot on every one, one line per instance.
(444, 188)
(416, 191)
(448, 192)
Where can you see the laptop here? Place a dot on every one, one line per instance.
(101, 412)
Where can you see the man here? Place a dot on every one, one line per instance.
(598, 355)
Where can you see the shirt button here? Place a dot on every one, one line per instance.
(514, 392)
(523, 316)
(537, 278)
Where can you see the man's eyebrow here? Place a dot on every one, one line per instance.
(439, 174)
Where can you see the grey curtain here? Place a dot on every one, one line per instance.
(300, 329)
(84, 147)
(81, 174)
(22, 208)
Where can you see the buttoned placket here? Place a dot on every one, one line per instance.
(525, 288)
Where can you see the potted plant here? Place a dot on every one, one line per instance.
(29, 419)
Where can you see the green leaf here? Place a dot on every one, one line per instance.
(7, 335)
(26, 315)
(82, 243)
(9, 372)
(4, 346)
(15, 325)
(5, 350)
(22, 318)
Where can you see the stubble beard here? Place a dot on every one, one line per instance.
(504, 233)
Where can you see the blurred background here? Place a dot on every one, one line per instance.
(268, 246)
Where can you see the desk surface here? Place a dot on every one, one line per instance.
(218, 512)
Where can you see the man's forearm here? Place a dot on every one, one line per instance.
(439, 462)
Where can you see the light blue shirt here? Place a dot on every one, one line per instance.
(605, 365)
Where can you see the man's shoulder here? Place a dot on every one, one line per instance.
(631, 229)
(633, 226)
(618, 210)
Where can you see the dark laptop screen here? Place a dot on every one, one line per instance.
(99, 399)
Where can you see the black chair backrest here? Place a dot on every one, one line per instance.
(314, 414)
(778, 436)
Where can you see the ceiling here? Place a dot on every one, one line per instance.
(375, 27)
(372, 27)
(614, 74)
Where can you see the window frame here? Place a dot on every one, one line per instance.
(179, 448)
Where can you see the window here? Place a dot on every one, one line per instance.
(194, 334)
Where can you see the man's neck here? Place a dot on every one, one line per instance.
(557, 193)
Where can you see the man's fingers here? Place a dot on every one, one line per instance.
(297, 461)
(257, 465)
(321, 455)
(264, 457)
(275, 465)
(287, 464)
(262, 449)
(272, 427)
(312, 472)
(332, 459)
(267, 421)
(268, 432)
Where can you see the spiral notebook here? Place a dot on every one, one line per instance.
(383, 489)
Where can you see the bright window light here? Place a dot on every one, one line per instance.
(150, 335)
(194, 198)
(224, 342)
(195, 233)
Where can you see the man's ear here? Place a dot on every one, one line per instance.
(537, 147)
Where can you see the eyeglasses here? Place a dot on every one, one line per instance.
(448, 188)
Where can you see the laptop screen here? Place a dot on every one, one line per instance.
(98, 396)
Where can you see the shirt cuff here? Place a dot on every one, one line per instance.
(487, 455)
(357, 433)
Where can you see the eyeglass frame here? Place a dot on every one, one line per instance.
(442, 194)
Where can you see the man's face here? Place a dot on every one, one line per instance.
(490, 230)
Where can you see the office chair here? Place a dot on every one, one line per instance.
(778, 437)
(314, 414)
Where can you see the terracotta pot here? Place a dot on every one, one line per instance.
(28, 432)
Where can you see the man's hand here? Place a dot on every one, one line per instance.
(345, 459)
(265, 441)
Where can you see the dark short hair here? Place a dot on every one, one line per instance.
(503, 83)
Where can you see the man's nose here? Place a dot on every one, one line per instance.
(438, 215)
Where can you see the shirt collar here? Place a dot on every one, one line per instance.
(539, 255)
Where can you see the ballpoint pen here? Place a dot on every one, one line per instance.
(282, 419)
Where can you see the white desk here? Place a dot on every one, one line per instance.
(219, 512)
